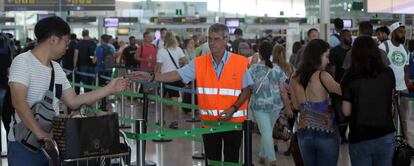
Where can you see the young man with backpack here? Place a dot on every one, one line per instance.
(104, 57)
(382, 34)
(334, 39)
(33, 74)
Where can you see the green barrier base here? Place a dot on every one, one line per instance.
(222, 163)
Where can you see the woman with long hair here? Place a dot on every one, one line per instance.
(266, 100)
(170, 58)
(189, 49)
(367, 90)
(279, 58)
(317, 132)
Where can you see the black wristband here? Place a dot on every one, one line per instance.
(152, 77)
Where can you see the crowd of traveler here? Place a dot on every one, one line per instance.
(322, 90)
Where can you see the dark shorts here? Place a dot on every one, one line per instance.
(173, 93)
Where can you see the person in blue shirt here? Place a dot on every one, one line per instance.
(99, 59)
(411, 55)
(334, 39)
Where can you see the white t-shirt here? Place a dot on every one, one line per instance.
(26, 69)
(164, 58)
(398, 58)
(159, 43)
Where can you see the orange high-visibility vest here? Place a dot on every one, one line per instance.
(216, 95)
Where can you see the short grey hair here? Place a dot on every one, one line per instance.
(217, 27)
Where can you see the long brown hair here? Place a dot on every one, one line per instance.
(170, 41)
(311, 60)
(279, 58)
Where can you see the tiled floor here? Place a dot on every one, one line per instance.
(179, 151)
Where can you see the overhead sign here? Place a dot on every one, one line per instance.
(270, 20)
(80, 19)
(55, 5)
(178, 20)
(6, 19)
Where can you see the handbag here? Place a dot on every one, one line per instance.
(403, 151)
(43, 113)
(281, 129)
(92, 134)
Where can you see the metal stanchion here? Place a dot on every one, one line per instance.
(198, 155)
(161, 119)
(123, 125)
(140, 129)
(193, 118)
(97, 84)
(247, 143)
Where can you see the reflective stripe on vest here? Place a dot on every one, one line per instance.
(230, 92)
(207, 91)
(238, 113)
(223, 91)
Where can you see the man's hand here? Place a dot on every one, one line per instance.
(118, 84)
(48, 143)
(227, 114)
(139, 75)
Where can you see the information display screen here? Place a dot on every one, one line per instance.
(111, 22)
(347, 23)
(232, 22)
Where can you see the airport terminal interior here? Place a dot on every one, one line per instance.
(295, 83)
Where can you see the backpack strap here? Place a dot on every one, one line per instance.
(337, 36)
(172, 59)
(387, 47)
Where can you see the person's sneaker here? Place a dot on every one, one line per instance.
(262, 160)
(173, 125)
(273, 163)
(158, 123)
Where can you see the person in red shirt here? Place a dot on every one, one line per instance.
(147, 53)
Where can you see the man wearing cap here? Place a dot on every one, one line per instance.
(399, 61)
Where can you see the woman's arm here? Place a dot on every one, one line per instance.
(330, 83)
(296, 98)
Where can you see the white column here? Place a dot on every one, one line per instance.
(324, 13)
(402, 19)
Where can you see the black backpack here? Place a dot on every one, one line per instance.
(108, 58)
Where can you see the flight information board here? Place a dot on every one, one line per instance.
(54, 5)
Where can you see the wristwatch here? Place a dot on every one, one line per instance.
(234, 107)
(152, 75)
